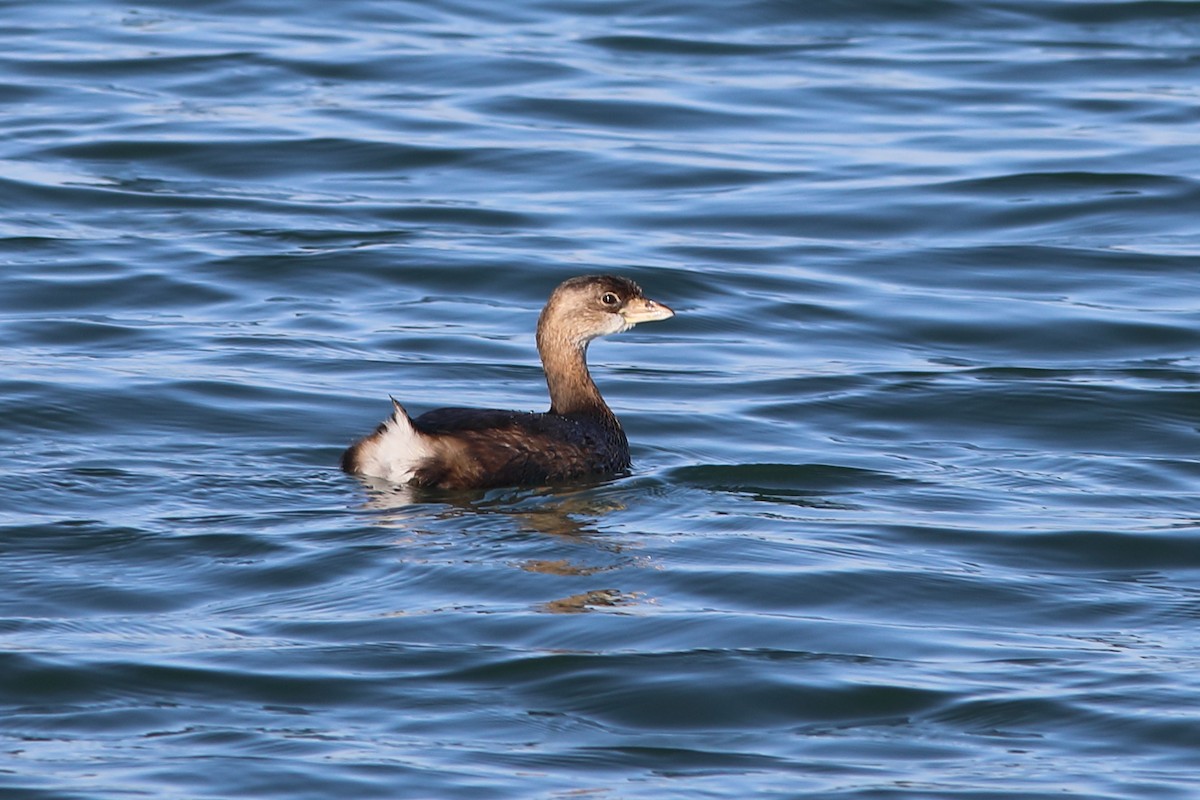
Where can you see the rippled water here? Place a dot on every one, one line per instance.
(915, 509)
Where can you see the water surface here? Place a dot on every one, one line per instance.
(916, 498)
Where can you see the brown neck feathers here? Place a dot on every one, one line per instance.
(572, 390)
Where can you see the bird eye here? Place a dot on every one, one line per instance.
(609, 299)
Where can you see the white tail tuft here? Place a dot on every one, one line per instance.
(394, 452)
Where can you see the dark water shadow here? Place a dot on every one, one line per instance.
(811, 485)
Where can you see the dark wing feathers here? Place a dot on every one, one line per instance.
(487, 448)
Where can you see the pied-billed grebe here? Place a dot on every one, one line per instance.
(578, 438)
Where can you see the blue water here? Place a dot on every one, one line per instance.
(915, 509)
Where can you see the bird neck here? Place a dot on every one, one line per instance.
(572, 390)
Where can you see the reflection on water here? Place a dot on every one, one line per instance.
(576, 514)
(560, 567)
(588, 601)
(557, 511)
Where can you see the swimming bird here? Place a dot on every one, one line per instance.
(579, 438)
